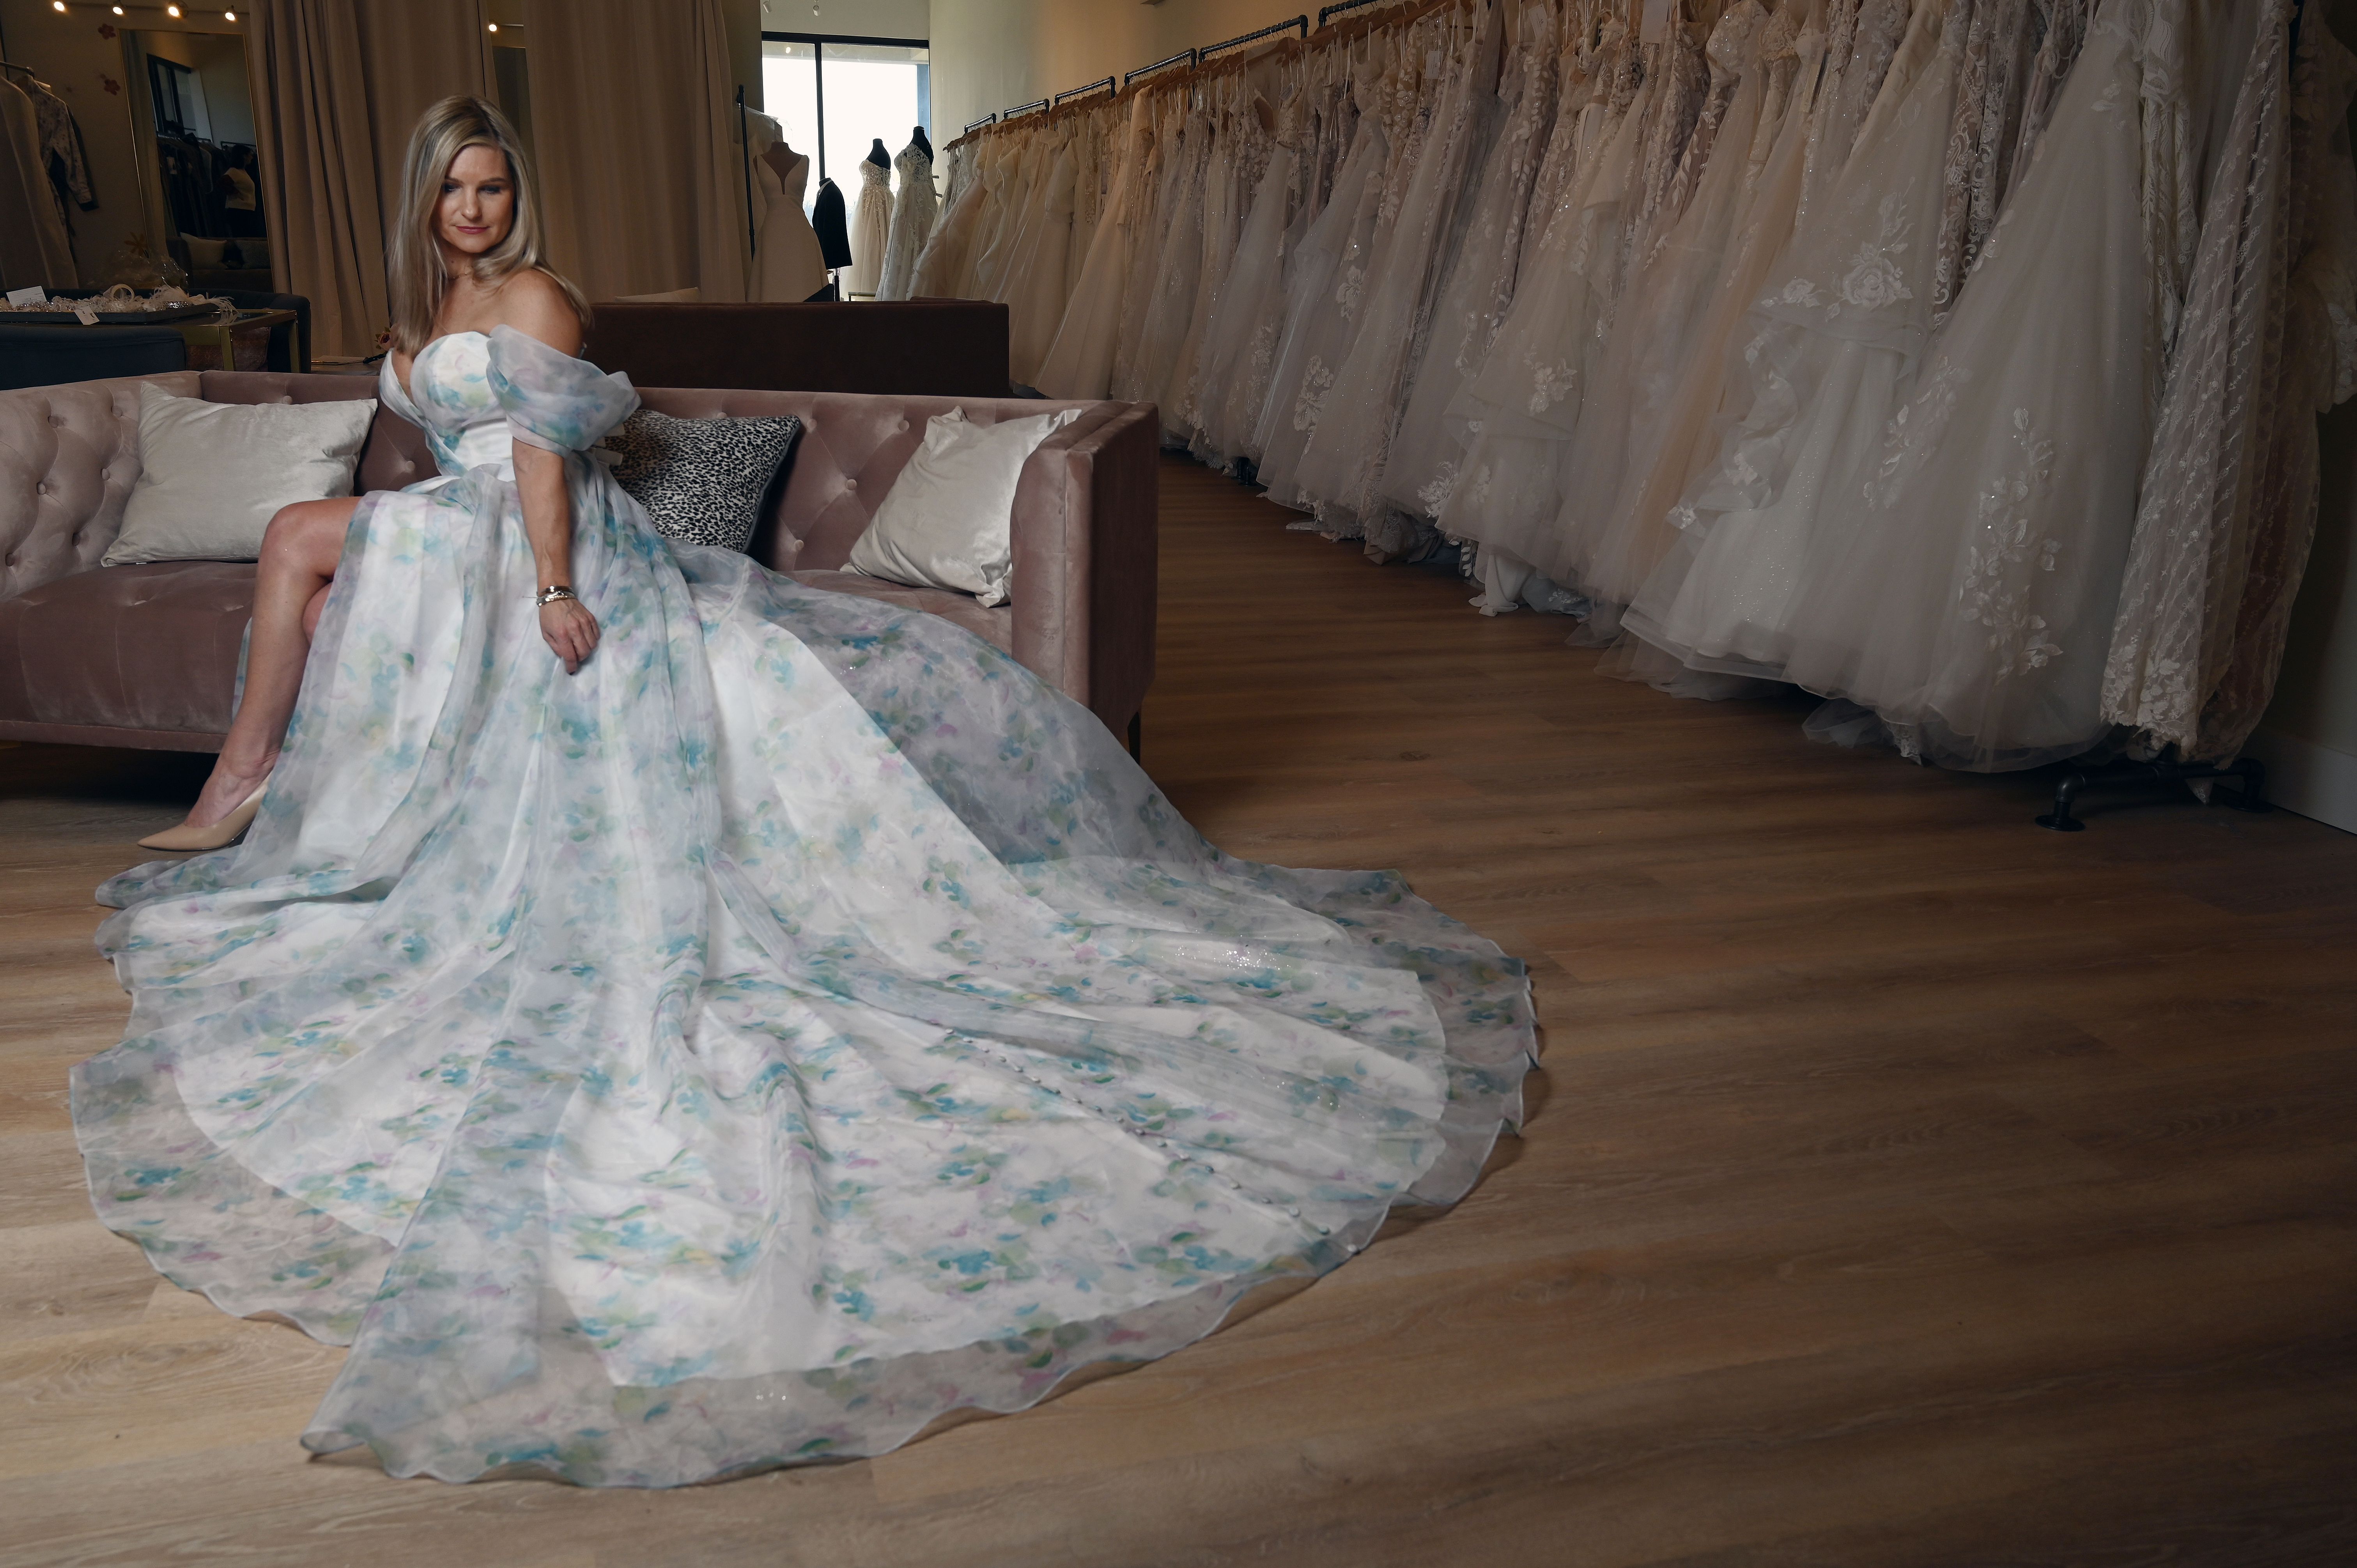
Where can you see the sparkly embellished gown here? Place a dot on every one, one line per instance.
(799, 1024)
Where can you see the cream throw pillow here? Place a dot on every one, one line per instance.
(210, 473)
(948, 520)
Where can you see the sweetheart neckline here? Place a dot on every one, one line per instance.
(424, 348)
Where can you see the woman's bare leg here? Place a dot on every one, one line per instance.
(299, 559)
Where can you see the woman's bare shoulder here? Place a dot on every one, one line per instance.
(535, 305)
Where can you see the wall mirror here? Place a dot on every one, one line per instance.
(192, 124)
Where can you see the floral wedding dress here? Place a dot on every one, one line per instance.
(799, 1024)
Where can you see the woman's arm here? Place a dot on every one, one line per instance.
(535, 307)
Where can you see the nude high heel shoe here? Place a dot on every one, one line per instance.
(219, 835)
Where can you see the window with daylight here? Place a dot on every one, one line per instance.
(836, 95)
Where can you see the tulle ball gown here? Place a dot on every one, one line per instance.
(799, 1024)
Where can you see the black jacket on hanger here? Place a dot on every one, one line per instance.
(833, 233)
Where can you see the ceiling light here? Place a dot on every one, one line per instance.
(228, 15)
(57, 4)
(172, 11)
(116, 9)
(494, 26)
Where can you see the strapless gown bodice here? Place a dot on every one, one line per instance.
(455, 405)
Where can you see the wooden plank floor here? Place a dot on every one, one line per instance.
(1905, 1185)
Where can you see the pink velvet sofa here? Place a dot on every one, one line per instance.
(147, 656)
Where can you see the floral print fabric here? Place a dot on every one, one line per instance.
(799, 1024)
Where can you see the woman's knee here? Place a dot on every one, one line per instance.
(308, 533)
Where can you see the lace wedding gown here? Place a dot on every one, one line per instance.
(1479, 290)
(871, 230)
(2267, 337)
(1973, 608)
(1652, 333)
(1523, 405)
(1831, 356)
(799, 1024)
(1342, 462)
(914, 213)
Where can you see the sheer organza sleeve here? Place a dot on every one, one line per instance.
(552, 399)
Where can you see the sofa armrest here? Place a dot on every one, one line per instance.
(68, 456)
(1085, 546)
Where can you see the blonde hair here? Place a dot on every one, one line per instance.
(414, 262)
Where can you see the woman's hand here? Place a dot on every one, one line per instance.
(571, 632)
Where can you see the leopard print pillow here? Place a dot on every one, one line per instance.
(704, 482)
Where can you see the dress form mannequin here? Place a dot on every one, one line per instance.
(789, 267)
(827, 216)
(871, 223)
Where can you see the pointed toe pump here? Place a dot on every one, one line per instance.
(214, 835)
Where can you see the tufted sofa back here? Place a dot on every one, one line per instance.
(69, 455)
(1083, 529)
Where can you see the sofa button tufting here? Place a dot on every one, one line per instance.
(850, 484)
(58, 420)
(903, 426)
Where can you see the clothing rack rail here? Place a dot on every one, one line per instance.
(1302, 21)
(1190, 56)
(1326, 13)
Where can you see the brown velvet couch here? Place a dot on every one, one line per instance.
(147, 656)
(937, 348)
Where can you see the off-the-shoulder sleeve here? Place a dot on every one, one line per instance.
(554, 400)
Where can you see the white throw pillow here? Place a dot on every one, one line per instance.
(210, 473)
(947, 522)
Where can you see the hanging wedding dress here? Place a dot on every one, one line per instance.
(1239, 342)
(1706, 402)
(943, 266)
(1033, 291)
(1079, 363)
(1481, 284)
(999, 172)
(1089, 152)
(1171, 306)
(1166, 162)
(1991, 80)
(1523, 404)
(1970, 606)
(871, 230)
(798, 1024)
(2267, 339)
(1618, 437)
(1832, 352)
(1324, 297)
(1239, 149)
(914, 213)
(1344, 458)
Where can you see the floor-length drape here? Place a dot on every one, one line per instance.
(338, 86)
(635, 136)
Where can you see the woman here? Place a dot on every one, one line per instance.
(706, 1023)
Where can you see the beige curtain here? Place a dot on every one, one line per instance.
(635, 130)
(337, 85)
